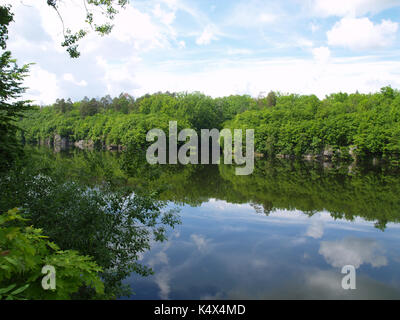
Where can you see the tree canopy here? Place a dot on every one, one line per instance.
(285, 124)
(11, 89)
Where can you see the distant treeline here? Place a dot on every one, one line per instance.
(341, 125)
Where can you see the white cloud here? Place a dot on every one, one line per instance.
(70, 78)
(250, 14)
(115, 76)
(182, 44)
(353, 251)
(324, 280)
(166, 17)
(162, 279)
(134, 57)
(132, 25)
(321, 54)
(173, 4)
(252, 76)
(207, 36)
(316, 229)
(36, 35)
(362, 34)
(161, 256)
(43, 86)
(200, 241)
(343, 8)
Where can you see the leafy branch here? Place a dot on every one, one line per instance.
(109, 9)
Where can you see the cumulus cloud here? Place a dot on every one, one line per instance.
(353, 251)
(43, 86)
(132, 25)
(362, 34)
(116, 76)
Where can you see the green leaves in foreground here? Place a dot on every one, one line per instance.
(24, 250)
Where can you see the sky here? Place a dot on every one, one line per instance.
(218, 47)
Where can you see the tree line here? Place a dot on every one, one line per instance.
(295, 125)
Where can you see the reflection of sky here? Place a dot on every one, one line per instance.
(228, 251)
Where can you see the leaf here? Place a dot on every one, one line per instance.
(9, 288)
(12, 261)
(52, 245)
(19, 290)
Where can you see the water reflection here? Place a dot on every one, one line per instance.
(353, 251)
(283, 232)
(220, 253)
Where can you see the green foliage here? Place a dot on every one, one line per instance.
(292, 125)
(268, 101)
(24, 250)
(125, 120)
(112, 225)
(63, 106)
(299, 125)
(271, 99)
(11, 108)
(6, 16)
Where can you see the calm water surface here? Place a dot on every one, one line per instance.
(286, 231)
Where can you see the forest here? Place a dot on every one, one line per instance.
(340, 126)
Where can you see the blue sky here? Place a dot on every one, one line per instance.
(217, 47)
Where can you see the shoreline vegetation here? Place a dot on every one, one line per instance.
(345, 127)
